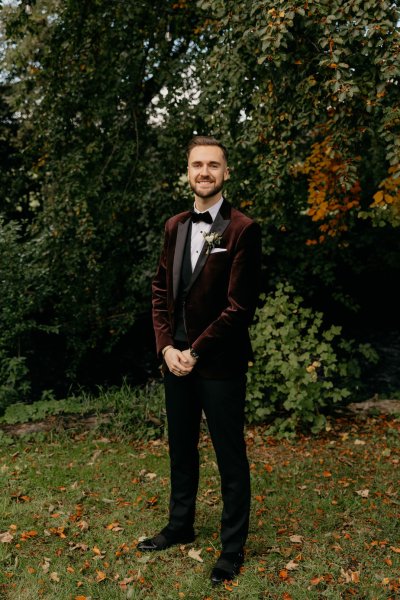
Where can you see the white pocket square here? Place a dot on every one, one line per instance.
(215, 250)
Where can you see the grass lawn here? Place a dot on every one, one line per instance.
(325, 519)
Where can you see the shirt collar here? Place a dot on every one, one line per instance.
(213, 210)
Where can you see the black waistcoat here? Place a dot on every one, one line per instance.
(186, 275)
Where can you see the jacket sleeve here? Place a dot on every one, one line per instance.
(243, 292)
(161, 319)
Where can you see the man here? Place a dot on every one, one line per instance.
(204, 297)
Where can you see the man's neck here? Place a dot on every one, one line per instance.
(203, 204)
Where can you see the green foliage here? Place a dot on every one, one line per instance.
(137, 411)
(21, 412)
(300, 368)
(84, 99)
(98, 102)
(24, 286)
(275, 79)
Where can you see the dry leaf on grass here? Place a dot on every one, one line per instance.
(195, 554)
(6, 537)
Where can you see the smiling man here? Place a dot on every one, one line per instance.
(204, 297)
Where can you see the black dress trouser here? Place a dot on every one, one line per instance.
(223, 404)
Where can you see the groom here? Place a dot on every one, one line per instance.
(204, 297)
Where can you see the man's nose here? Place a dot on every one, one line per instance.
(204, 171)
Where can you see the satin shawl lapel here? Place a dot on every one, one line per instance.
(178, 255)
(219, 225)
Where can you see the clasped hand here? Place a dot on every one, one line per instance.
(180, 363)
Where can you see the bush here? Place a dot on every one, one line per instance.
(300, 368)
(24, 287)
(133, 411)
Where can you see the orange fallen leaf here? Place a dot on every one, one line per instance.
(316, 580)
(327, 474)
(101, 576)
(58, 531)
(393, 549)
(80, 598)
(25, 535)
(283, 574)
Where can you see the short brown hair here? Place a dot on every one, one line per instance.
(206, 140)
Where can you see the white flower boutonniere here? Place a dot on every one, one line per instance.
(212, 240)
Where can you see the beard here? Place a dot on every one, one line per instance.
(206, 194)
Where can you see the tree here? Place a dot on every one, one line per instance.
(307, 94)
(84, 80)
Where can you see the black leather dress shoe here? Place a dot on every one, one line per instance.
(161, 542)
(227, 567)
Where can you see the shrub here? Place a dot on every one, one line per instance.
(300, 368)
(24, 287)
(133, 411)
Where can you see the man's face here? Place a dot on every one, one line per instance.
(207, 171)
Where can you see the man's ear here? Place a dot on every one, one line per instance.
(227, 174)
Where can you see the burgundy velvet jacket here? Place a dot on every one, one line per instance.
(222, 295)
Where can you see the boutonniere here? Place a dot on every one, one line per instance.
(212, 240)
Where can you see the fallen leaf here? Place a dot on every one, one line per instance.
(350, 576)
(195, 554)
(283, 574)
(25, 535)
(83, 525)
(291, 566)
(54, 576)
(79, 546)
(114, 527)
(152, 501)
(296, 539)
(6, 537)
(359, 442)
(101, 576)
(228, 587)
(363, 493)
(393, 549)
(46, 564)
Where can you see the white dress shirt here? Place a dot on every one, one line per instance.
(200, 228)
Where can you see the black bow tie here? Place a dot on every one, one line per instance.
(197, 217)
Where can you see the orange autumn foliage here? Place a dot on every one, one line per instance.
(388, 195)
(328, 198)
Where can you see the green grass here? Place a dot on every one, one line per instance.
(75, 508)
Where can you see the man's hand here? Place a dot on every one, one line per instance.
(179, 363)
(191, 360)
